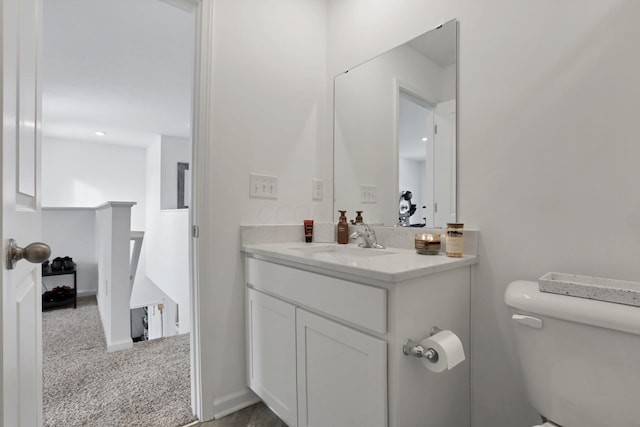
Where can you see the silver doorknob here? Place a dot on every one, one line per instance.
(35, 252)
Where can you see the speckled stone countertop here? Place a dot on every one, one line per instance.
(595, 288)
(388, 265)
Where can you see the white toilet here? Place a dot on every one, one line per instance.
(579, 358)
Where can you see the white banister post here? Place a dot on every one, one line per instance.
(113, 228)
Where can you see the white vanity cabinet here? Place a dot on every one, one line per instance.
(272, 358)
(342, 374)
(325, 346)
(312, 371)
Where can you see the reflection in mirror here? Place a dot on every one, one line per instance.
(395, 134)
(184, 184)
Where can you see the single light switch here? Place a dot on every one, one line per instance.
(317, 189)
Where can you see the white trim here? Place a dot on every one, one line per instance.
(201, 393)
(88, 208)
(185, 5)
(87, 293)
(234, 402)
(111, 204)
(67, 208)
(136, 237)
(120, 345)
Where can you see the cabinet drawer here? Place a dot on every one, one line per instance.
(361, 305)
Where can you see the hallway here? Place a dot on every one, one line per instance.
(84, 385)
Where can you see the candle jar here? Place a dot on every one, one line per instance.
(455, 239)
(427, 244)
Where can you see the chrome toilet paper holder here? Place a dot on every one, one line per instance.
(412, 348)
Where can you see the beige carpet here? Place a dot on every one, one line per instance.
(84, 385)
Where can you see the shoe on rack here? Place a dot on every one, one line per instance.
(68, 264)
(57, 264)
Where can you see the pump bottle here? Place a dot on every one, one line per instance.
(343, 228)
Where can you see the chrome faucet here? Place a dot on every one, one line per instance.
(367, 236)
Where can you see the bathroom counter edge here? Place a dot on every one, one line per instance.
(401, 265)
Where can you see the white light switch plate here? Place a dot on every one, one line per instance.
(368, 194)
(263, 186)
(317, 189)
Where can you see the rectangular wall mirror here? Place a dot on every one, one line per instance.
(395, 130)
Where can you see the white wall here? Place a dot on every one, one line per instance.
(174, 150)
(548, 150)
(83, 174)
(103, 253)
(71, 232)
(268, 116)
(166, 243)
(449, 82)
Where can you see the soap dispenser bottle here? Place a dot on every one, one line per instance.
(359, 219)
(343, 228)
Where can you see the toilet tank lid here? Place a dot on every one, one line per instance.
(525, 296)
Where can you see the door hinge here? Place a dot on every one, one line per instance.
(196, 231)
(435, 207)
(435, 129)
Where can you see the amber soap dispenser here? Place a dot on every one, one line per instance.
(343, 228)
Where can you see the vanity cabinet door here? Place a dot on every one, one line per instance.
(272, 353)
(342, 375)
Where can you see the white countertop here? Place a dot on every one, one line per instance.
(387, 265)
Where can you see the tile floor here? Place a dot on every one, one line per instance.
(257, 415)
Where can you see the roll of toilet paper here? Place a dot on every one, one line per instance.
(449, 349)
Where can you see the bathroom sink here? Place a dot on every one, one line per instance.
(341, 252)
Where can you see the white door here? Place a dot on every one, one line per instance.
(342, 375)
(444, 153)
(21, 298)
(272, 353)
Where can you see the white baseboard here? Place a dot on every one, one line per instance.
(234, 402)
(87, 293)
(120, 345)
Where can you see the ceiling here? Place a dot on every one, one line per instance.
(438, 44)
(123, 67)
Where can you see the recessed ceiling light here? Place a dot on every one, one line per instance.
(100, 133)
(424, 139)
